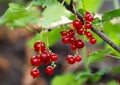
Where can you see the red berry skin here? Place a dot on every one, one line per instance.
(93, 40)
(63, 33)
(35, 61)
(45, 58)
(78, 58)
(35, 73)
(45, 51)
(80, 31)
(72, 40)
(49, 70)
(88, 25)
(73, 47)
(79, 44)
(70, 59)
(90, 18)
(71, 33)
(119, 81)
(87, 13)
(54, 57)
(77, 24)
(66, 39)
(88, 34)
(39, 46)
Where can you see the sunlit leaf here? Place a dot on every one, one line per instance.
(98, 56)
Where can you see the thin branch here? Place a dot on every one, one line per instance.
(56, 25)
(38, 28)
(100, 34)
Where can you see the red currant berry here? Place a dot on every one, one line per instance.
(64, 33)
(87, 13)
(70, 59)
(78, 58)
(73, 47)
(79, 44)
(80, 31)
(93, 40)
(90, 18)
(45, 58)
(88, 25)
(88, 34)
(35, 73)
(71, 33)
(45, 51)
(35, 60)
(49, 70)
(54, 57)
(66, 39)
(72, 40)
(77, 24)
(39, 46)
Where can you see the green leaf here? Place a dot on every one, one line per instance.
(113, 31)
(67, 79)
(93, 76)
(109, 15)
(83, 75)
(52, 14)
(103, 71)
(112, 83)
(97, 76)
(44, 3)
(52, 36)
(91, 5)
(81, 11)
(116, 70)
(97, 21)
(19, 16)
(98, 56)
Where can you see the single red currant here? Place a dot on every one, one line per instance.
(35, 73)
(78, 58)
(70, 59)
(63, 33)
(87, 13)
(35, 60)
(71, 33)
(73, 47)
(88, 34)
(79, 44)
(45, 51)
(72, 40)
(66, 39)
(80, 31)
(45, 58)
(54, 57)
(49, 70)
(93, 40)
(88, 25)
(39, 46)
(90, 18)
(77, 24)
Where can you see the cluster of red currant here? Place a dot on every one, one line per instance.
(73, 36)
(45, 56)
(72, 59)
